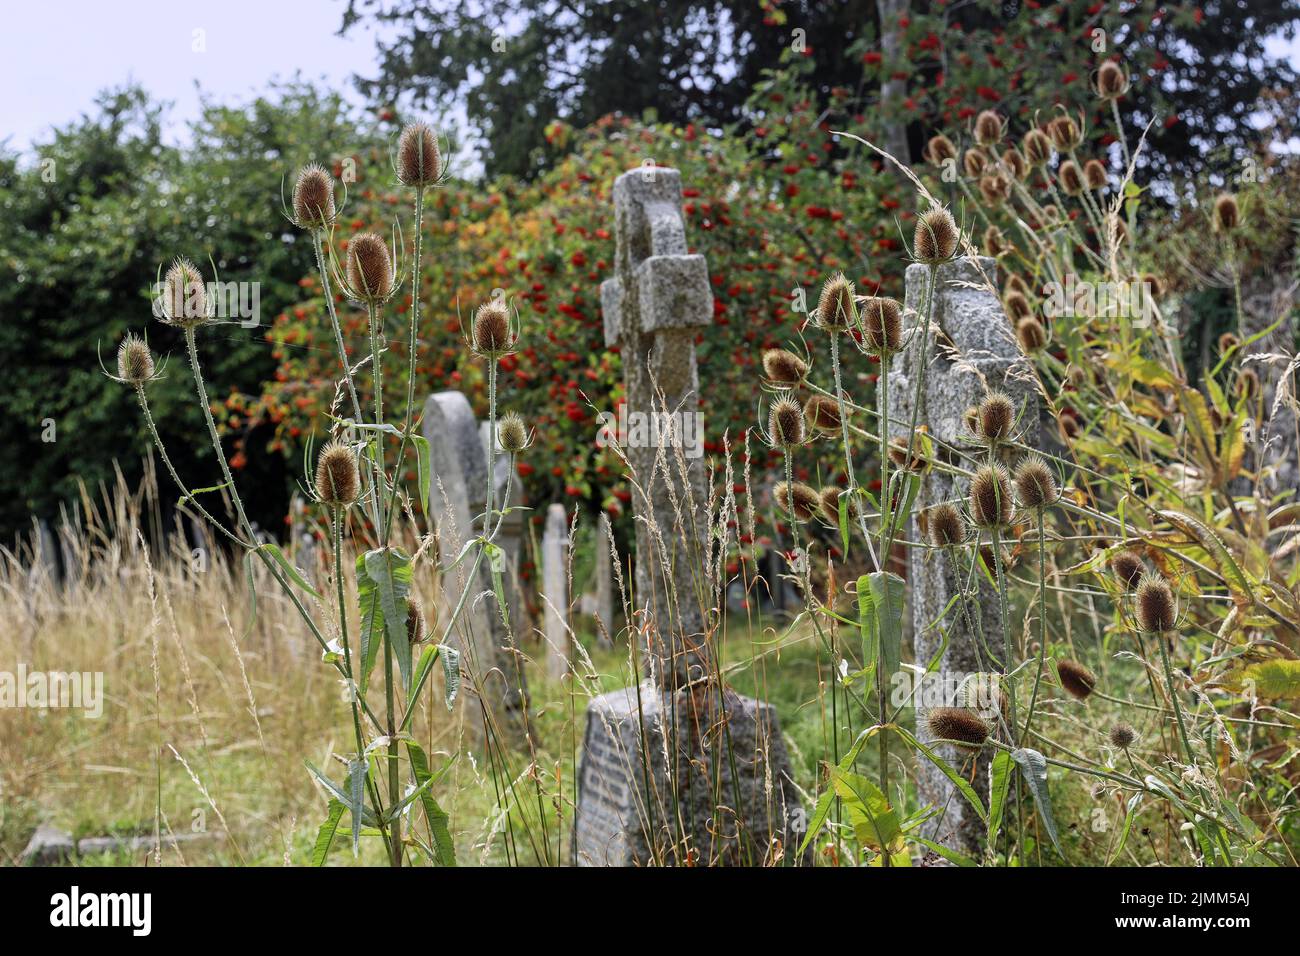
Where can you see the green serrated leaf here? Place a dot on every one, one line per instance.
(289, 569)
(999, 786)
(1033, 767)
(439, 823)
(325, 835)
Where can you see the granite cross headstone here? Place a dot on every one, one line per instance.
(555, 569)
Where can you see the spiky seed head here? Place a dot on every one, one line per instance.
(1076, 679)
(1064, 133)
(1227, 215)
(1154, 606)
(823, 413)
(995, 419)
(988, 128)
(1094, 174)
(1112, 81)
(945, 526)
(512, 433)
(1015, 163)
(1031, 335)
(830, 503)
(1128, 569)
(995, 188)
(134, 360)
(370, 269)
(973, 162)
(1016, 284)
(971, 419)
(1037, 148)
(898, 455)
(990, 497)
(490, 333)
(418, 161)
(939, 150)
(337, 477)
(416, 632)
(1155, 285)
(837, 308)
(785, 423)
(1123, 736)
(958, 724)
(184, 296)
(1069, 424)
(990, 559)
(1247, 383)
(994, 242)
(882, 325)
(1036, 485)
(313, 197)
(1228, 342)
(804, 499)
(1070, 178)
(936, 236)
(783, 367)
(1017, 305)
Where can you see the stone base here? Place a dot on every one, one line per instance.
(641, 803)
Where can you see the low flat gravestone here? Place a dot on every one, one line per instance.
(979, 354)
(679, 770)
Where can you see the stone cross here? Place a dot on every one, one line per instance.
(653, 309)
(458, 452)
(680, 769)
(555, 570)
(975, 352)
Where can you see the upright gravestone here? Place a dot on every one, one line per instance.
(458, 464)
(555, 567)
(975, 353)
(677, 770)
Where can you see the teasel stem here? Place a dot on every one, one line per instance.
(1042, 622)
(1173, 697)
(410, 352)
(1119, 132)
(394, 770)
(377, 375)
(492, 447)
(848, 454)
(918, 391)
(882, 422)
(319, 248)
(193, 350)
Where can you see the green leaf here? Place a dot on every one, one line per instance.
(357, 771)
(275, 552)
(367, 815)
(874, 822)
(999, 786)
(439, 823)
(823, 806)
(952, 856)
(383, 584)
(450, 674)
(1033, 767)
(422, 468)
(1130, 813)
(880, 620)
(325, 835)
(1275, 678)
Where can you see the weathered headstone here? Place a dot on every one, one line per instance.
(458, 462)
(678, 770)
(555, 567)
(977, 354)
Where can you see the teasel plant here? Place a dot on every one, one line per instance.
(389, 774)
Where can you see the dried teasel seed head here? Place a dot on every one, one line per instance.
(1015, 284)
(974, 162)
(512, 433)
(1036, 485)
(1017, 305)
(370, 269)
(990, 497)
(313, 197)
(1123, 736)
(990, 560)
(823, 413)
(936, 236)
(1069, 424)
(1112, 81)
(958, 724)
(490, 334)
(1154, 605)
(416, 631)
(1227, 214)
(783, 367)
(994, 242)
(337, 479)
(1154, 284)
(939, 150)
(882, 325)
(1031, 335)
(830, 504)
(995, 419)
(785, 423)
(988, 128)
(1094, 174)
(1128, 569)
(837, 308)
(418, 161)
(995, 189)
(1228, 342)
(1076, 680)
(134, 360)
(1247, 383)
(971, 419)
(1037, 148)
(1015, 163)
(805, 500)
(184, 295)
(1070, 178)
(1064, 133)
(945, 526)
